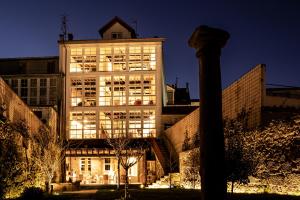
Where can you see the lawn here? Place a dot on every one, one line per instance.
(165, 194)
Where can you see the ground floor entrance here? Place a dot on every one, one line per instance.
(101, 170)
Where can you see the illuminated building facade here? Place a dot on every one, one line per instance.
(113, 87)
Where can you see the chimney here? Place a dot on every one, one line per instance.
(70, 36)
(187, 86)
(61, 37)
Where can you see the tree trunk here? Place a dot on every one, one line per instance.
(232, 185)
(119, 178)
(126, 184)
(170, 181)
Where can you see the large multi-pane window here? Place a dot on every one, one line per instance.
(119, 90)
(135, 58)
(83, 92)
(105, 59)
(82, 124)
(43, 91)
(89, 124)
(76, 120)
(119, 59)
(105, 124)
(149, 123)
(76, 60)
(135, 123)
(76, 92)
(149, 90)
(135, 90)
(105, 91)
(119, 124)
(89, 92)
(149, 58)
(14, 85)
(113, 58)
(52, 91)
(89, 60)
(33, 91)
(24, 89)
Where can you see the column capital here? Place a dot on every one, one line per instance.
(205, 37)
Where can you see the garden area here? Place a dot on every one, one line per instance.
(145, 194)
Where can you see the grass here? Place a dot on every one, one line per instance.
(165, 194)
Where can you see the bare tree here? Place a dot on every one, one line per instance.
(128, 151)
(47, 154)
(191, 172)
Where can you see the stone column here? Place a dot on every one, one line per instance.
(208, 43)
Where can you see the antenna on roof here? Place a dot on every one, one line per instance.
(65, 35)
(63, 27)
(136, 27)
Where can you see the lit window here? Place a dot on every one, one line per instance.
(76, 92)
(107, 164)
(105, 124)
(119, 124)
(105, 60)
(149, 58)
(149, 123)
(89, 60)
(135, 59)
(105, 92)
(135, 123)
(119, 59)
(149, 96)
(135, 90)
(76, 121)
(76, 60)
(119, 91)
(89, 92)
(89, 124)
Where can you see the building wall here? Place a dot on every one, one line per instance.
(17, 110)
(36, 90)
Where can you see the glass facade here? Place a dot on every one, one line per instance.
(112, 91)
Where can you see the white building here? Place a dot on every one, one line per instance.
(113, 87)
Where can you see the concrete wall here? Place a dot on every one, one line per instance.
(176, 133)
(246, 93)
(271, 101)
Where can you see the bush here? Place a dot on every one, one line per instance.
(32, 193)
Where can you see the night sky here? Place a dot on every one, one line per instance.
(261, 32)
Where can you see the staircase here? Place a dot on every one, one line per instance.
(162, 153)
(164, 182)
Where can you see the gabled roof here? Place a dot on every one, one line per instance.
(117, 19)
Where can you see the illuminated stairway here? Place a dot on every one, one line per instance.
(164, 182)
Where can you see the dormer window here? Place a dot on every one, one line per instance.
(116, 35)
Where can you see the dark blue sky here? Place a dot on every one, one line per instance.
(261, 32)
